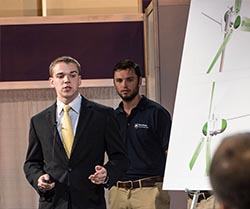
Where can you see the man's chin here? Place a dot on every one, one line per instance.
(127, 98)
(69, 95)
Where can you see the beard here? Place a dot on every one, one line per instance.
(128, 98)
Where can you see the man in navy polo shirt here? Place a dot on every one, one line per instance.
(145, 127)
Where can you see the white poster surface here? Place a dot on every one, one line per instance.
(213, 98)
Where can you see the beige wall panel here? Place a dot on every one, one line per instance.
(90, 11)
(20, 8)
(91, 3)
(78, 7)
(15, 8)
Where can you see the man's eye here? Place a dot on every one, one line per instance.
(73, 75)
(59, 76)
(118, 80)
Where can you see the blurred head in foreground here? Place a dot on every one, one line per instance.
(230, 172)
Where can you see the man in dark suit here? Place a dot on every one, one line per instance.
(75, 177)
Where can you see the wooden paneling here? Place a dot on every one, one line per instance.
(17, 8)
(78, 7)
(85, 83)
(72, 19)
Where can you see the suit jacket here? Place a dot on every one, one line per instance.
(97, 132)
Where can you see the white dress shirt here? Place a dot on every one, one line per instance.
(74, 113)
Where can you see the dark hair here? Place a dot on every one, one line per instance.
(65, 59)
(127, 64)
(230, 171)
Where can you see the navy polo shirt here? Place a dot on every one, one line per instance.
(146, 133)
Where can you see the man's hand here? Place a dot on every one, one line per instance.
(44, 183)
(99, 176)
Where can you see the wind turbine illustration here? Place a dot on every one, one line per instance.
(233, 21)
(215, 125)
(212, 127)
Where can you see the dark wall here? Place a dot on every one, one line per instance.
(27, 50)
(172, 29)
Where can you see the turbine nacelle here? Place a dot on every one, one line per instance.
(214, 126)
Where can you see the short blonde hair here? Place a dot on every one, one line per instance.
(65, 59)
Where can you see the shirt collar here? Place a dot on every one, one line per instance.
(75, 104)
(140, 105)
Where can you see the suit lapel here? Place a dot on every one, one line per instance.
(84, 117)
(51, 118)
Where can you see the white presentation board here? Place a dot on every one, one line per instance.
(213, 98)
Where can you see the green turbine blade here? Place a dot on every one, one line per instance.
(245, 24)
(237, 6)
(223, 45)
(211, 100)
(196, 153)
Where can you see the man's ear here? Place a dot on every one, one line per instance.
(140, 81)
(51, 82)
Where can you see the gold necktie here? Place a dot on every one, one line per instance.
(67, 131)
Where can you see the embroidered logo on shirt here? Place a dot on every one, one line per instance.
(139, 125)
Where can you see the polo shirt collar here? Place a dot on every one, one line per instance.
(141, 105)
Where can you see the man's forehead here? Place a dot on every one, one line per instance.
(65, 72)
(61, 64)
(62, 67)
(124, 76)
(127, 71)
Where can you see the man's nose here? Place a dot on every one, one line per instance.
(124, 83)
(66, 78)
